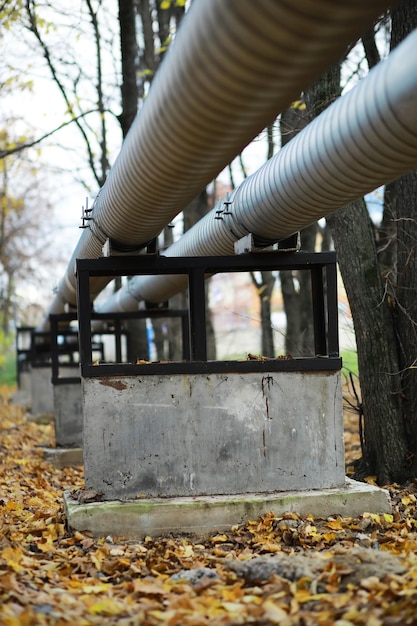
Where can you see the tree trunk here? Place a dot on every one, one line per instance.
(264, 282)
(129, 55)
(267, 344)
(403, 194)
(290, 296)
(385, 446)
(137, 342)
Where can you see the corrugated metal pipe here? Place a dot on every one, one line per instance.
(367, 138)
(232, 68)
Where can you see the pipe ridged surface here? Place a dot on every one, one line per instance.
(233, 67)
(366, 139)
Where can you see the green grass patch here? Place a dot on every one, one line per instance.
(349, 361)
(8, 370)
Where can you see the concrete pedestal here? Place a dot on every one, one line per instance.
(41, 390)
(63, 457)
(213, 434)
(23, 395)
(68, 414)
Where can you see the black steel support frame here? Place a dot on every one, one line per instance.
(322, 267)
(46, 352)
(40, 349)
(56, 321)
(117, 318)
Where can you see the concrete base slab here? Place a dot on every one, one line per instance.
(63, 457)
(203, 515)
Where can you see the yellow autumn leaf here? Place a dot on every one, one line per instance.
(96, 588)
(11, 621)
(23, 461)
(45, 544)
(335, 524)
(13, 558)
(311, 530)
(219, 539)
(271, 547)
(187, 551)
(147, 588)
(98, 556)
(106, 606)
(145, 72)
(273, 612)
(11, 554)
(12, 505)
(298, 104)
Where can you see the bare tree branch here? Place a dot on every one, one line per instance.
(30, 144)
(31, 12)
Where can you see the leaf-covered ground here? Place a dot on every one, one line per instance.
(289, 570)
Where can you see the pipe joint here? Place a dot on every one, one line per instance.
(226, 214)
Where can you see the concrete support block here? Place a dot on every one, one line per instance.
(202, 516)
(42, 390)
(68, 413)
(63, 457)
(212, 434)
(23, 395)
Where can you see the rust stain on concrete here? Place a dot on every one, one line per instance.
(116, 384)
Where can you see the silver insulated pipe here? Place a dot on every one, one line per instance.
(233, 66)
(367, 138)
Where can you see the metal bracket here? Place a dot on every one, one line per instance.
(291, 244)
(106, 248)
(248, 244)
(86, 215)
